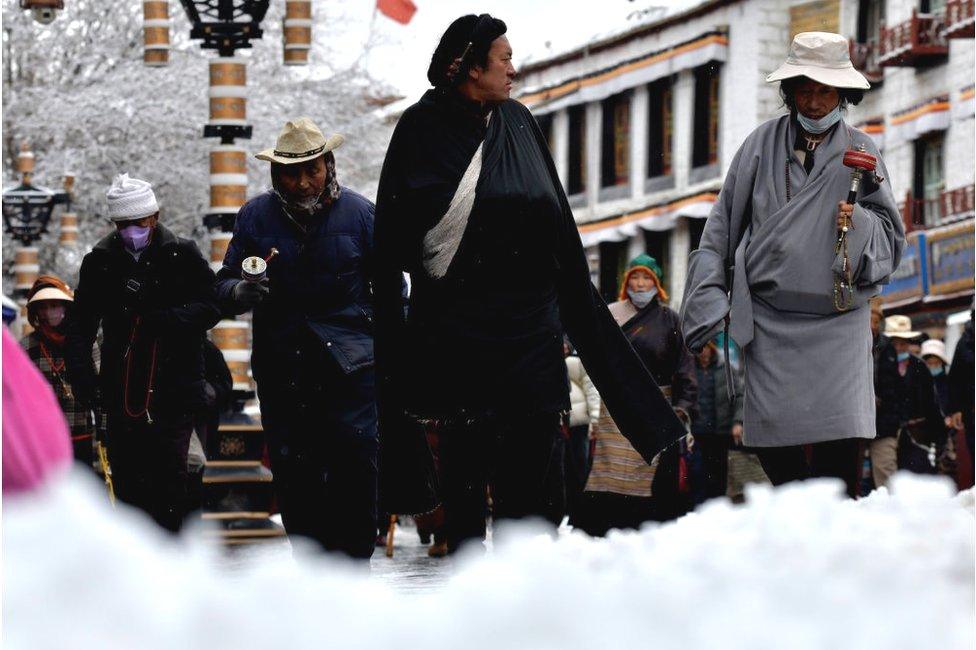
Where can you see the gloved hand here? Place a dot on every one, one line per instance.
(249, 294)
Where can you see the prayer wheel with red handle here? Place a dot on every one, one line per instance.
(859, 161)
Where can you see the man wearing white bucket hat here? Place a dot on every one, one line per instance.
(152, 293)
(790, 256)
(313, 343)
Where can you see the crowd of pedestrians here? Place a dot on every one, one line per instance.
(501, 385)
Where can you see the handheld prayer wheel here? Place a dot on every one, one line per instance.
(859, 161)
(297, 31)
(155, 32)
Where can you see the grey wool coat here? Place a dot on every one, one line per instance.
(808, 367)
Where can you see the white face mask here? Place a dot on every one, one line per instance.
(821, 125)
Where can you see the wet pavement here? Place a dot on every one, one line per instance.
(410, 569)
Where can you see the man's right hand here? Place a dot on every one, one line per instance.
(248, 294)
(737, 434)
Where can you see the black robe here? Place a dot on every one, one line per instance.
(486, 339)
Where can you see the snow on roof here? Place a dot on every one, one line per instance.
(636, 22)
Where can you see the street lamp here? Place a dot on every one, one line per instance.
(27, 208)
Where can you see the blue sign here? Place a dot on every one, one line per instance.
(909, 279)
(949, 253)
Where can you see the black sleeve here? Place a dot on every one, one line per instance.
(407, 480)
(86, 316)
(684, 385)
(218, 374)
(200, 312)
(637, 405)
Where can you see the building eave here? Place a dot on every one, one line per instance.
(619, 39)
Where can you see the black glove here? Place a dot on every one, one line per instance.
(249, 294)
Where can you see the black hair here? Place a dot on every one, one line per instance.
(478, 31)
(787, 88)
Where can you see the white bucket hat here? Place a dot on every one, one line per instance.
(900, 327)
(823, 57)
(935, 348)
(299, 141)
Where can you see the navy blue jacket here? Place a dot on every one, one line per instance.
(320, 280)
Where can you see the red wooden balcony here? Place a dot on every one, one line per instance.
(959, 19)
(958, 203)
(864, 56)
(918, 41)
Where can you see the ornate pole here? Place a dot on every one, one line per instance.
(237, 488)
(297, 31)
(155, 28)
(67, 259)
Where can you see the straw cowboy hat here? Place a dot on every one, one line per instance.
(299, 141)
(823, 57)
(900, 327)
(935, 348)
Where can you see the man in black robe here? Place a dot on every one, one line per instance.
(470, 206)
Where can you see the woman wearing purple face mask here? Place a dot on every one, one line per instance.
(137, 234)
(48, 311)
(152, 293)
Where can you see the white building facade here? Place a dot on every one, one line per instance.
(644, 123)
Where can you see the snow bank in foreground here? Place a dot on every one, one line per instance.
(798, 567)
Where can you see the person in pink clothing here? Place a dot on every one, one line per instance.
(36, 443)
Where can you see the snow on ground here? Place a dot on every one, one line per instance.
(797, 567)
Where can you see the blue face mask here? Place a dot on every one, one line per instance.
(821, 125)
(903, 356)
(936, 371)
(641, 298)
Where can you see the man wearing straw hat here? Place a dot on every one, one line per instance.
(152, 293)
(910, 421)
(313, 344)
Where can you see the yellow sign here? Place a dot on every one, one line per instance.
(817, 16)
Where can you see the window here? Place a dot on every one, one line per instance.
(929, 178)
(613, 263)
(870, 18)
(615, 158)
(932, 6)
(660, 125)
(545, 125)
(577, 150)
(658, 245)
(705, 135)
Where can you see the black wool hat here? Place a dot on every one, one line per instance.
(469, 37)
